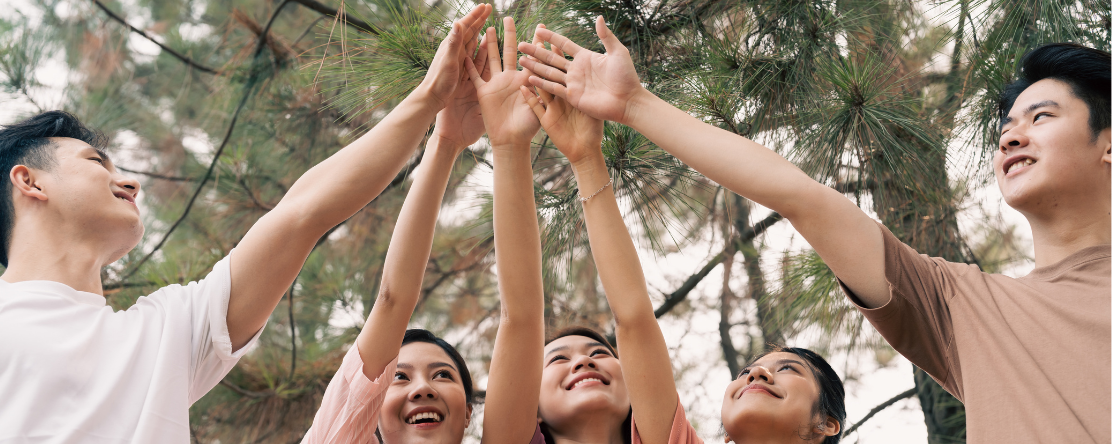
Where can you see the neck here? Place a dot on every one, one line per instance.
(591, 428)
(40, 256)
(767, 436)
(1056, 236)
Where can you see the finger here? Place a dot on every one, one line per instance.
(473, 73)
(608, 39)
(509, 52)
(475, 19)
(469, 51)
(551, 87)
(543, 70)
(481, 61)
(533, 102)
(561, 41)
(537, 37)
(491, 41)
(544, 56)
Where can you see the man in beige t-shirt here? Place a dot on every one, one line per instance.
(1029, 357)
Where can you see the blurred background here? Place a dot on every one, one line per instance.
(218, 106)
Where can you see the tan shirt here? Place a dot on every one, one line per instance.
(1029, 357)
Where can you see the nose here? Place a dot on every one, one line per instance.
(131, 185)
(584, 362)
(422, 390)
(1013, 139)
(758, 372)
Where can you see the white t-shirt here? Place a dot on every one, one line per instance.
(74, 371)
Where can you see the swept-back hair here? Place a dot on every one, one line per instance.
(627, 425)
(1085, 70)
(25, 143)
(832, 394)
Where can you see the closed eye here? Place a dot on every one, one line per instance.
(557, 358)
(601, 351)
(97, 160)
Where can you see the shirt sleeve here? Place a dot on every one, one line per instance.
(681, 433)
(351, 405)
(212, 356)
(916, 321)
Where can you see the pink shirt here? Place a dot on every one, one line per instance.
(349, 411)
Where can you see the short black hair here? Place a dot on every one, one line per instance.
(832, 394)
(1087, 71)
(25, 143)
(421, 335)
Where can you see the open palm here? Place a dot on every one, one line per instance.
(505, 112)
(574, 133)
(601, 85)
(461, 122)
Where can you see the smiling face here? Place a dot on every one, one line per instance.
(775, 397)
(1048, 161)
(426, 402)
(581, 377)
(90, 198)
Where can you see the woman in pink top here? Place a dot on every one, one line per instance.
(788, 395)
(406, 386)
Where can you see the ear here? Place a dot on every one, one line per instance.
(728, 438)
(467, 423)
(1105, 140)
(24, 180)
(832, 427)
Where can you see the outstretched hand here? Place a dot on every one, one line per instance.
(460, 124)
(508, 118)
(447, 68)
(577, 135)
(603, 86)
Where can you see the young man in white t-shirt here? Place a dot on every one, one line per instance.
(73, 370)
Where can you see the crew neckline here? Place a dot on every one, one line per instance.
(1077, 258)
(57, 289)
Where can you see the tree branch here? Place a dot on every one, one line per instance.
(681, 293)
(909, 393)
(249, 85)
(325, 10)
(156, 175)
(169, 50)
(244, 392)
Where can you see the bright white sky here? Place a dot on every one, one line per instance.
(703, 382)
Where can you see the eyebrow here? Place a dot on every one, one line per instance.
(437, 364)
(564, 347)
(1032, 107)
(100, 152)
(778, 362)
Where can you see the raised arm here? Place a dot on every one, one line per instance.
(269, 257)
(645, 362)
(513, 390)
(606, 86)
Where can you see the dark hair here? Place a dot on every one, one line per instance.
(627, 425)
(26, 143)
(421, 335)
(1087, 71)
(832, 395)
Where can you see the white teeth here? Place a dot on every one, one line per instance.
(435, 417)
(585, 380)
(1021, 163)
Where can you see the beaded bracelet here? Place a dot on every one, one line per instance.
(585, 199)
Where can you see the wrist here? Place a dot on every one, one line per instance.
(590, 164)
(425, 100)
(636, 105)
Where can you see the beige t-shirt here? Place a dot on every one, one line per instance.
(1029, 357)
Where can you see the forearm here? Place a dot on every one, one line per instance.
(515, 368)
(846, 238)
(406, 259)
(646, 364)
(337, 187)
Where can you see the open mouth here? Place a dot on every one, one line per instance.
(125, 197)
(586, 379)
(423, 418)
(1016, 164)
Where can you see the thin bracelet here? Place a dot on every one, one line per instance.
(585, 199)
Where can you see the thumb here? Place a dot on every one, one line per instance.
(608, 39)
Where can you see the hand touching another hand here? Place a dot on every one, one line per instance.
(577, 135)
(447, 68)
(460, 123)
(604, 86)
(508, 118)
